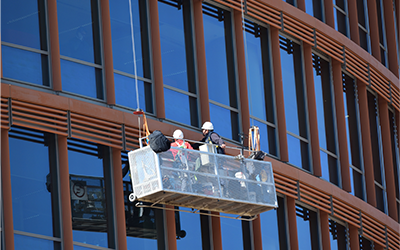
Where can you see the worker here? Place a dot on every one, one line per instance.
(179, 142)
(211, 137)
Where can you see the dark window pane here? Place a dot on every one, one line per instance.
(395, 150)
(357, 183)
(338, 236)
(231, 233)
(22, 23)
(81, 79)
(34, 65)
(273, 227)
(30, 168)
(307, 228)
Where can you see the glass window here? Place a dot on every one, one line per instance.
(259, 83)
(366, 244)
(341, 16)
(22, 242)
(314, 8)
(24, 42)
(131, 56)
(88, 167)
(231, 233)
(273, 227)
(292, 2)
(338, 235)
(190, 230)
(326, 119)
(295, 107)
(220, 71)
(80, 47)
(396, 26)
(395, 154)
(377, 153)
(307, 228)
(353, 130)
(33, 182)
(382, 33)
(177, 61)
(363, 27)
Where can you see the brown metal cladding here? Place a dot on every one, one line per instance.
(171, 230)
(388, 158)
(298, 29)
(280, 107)
(201, 60)
(241, 72)
(216, 231)
(257, 238)
(264, 13)
(329, 13)
(65, 193)
(373, 29)
(108, 66)
(156, 59)
(341, 125)
(312, 109)
(301, 5)
(6, 192)
(119, 199)
(292, 222)
(391, 37)
(354, 238)
(366, 142)
(353, 21)
(325, 233)
(54, 45)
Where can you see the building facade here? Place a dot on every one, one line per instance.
(319, 78)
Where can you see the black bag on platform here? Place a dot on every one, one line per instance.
(158, 142)
(258, 155)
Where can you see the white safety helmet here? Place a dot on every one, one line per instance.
(178, 134)
(208, 126)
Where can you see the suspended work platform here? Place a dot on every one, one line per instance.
(202, 181)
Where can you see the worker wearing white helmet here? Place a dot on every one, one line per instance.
(211, 137)
(179, 141)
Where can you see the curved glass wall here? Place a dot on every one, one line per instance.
(131, 56)
(221, 79)
(34, 187)
(177, 54)
(260, 85)
(24, 42)
(79, 37)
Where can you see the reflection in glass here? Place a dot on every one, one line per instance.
(260, 90)
(325, 119)
(22, 242)
(307, 228)
(231, 233)
(314, 8)
(22, 23)
(177, 61)
(79, 40)
(30, 168)
(33, 65)
(294, 99)
(273, 227)
(125, 92)
(191, 224)
(81, 79)
(220, 70)
(340, 15)
(121, 35)
(338, 236)
(88, 190)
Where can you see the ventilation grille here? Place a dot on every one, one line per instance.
(286, 186)
(393, 239)
(346, 212)
(131, 138)
(5, 117)
(357, 67)
(264, 13)
(380, 84)
(329, 46)
(39, 117)
(373, 230)
(298, 29)
(315, 198)
(96, 130)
